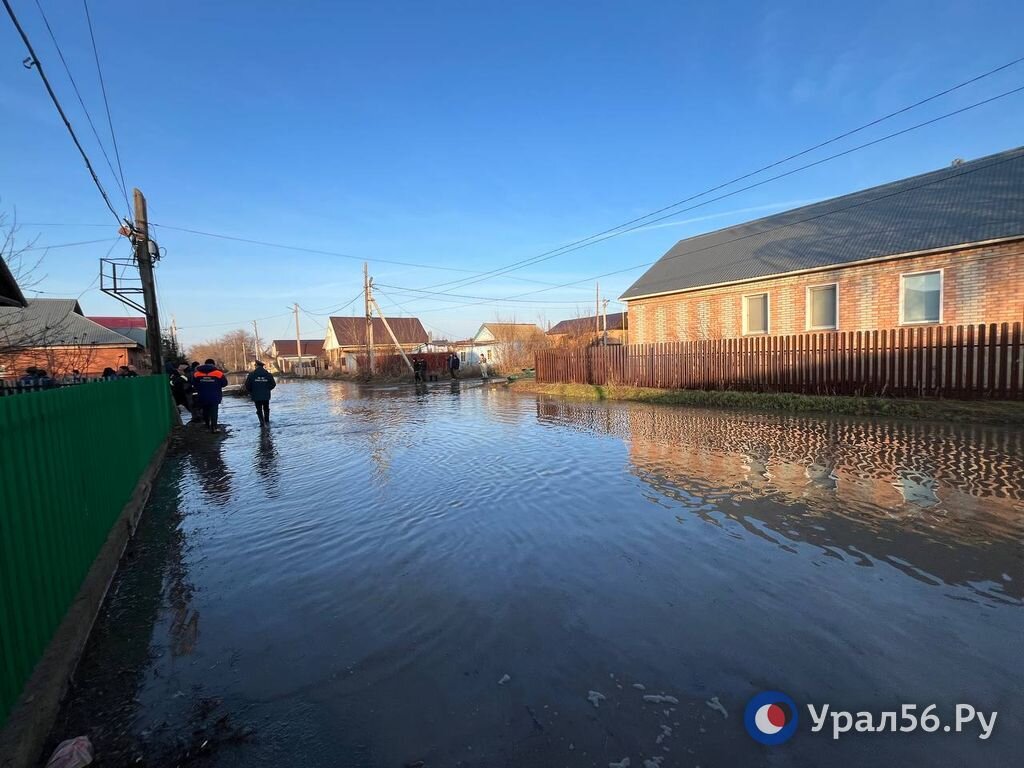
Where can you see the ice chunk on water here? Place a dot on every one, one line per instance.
(716, 705)
(504, 679)
(595, 698)
(654, 762)
(640, 686)
(623, 763)
(654, 698)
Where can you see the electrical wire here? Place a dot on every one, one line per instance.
(757, 233)
(85, 109)
(330, 311)
(64, 245)
(233, 322)
(106, 102)
(828, 158)
(33, 61)
(402, 289)
(317, 251)
(568, 247)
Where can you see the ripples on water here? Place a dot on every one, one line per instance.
(356, 581)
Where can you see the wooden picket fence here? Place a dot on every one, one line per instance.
(964, 361)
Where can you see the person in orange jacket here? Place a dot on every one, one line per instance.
(209, 381)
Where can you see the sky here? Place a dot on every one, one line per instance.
(464, 136)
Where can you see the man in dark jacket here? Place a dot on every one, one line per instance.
(258, 384)
(453, 365)
(209, 381)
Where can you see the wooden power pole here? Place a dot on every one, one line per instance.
(298, 339)
(368, 296)
(144, 257)
(597, 309)
(256, 333)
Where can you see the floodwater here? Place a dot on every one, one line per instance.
(470, 577)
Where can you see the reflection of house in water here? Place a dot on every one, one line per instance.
(934, 500)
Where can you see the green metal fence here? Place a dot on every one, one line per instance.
(69, 461)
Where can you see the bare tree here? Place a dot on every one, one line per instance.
(233, 350)
(515, 344)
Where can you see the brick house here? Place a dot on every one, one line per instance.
(946, 247)
(285, 355)
(582, 331)
(54, 335)
(345, 340)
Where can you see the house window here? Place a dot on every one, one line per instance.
(462, 357)
(822, 307)
(755, 313)
(921, 297)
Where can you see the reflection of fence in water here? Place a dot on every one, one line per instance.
(951, 470)
(933, 500)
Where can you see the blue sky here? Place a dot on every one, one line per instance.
(465, 135)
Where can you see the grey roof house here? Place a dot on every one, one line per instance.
(942, 247)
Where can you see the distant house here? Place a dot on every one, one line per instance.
(54, 335)
(346, 339)
(946, 247)
(583, 331)
(504, 344)
(285, 354)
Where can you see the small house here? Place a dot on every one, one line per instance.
(584, 331)
(346, 339)
(505, 345)
(286, 356)
(54, 335)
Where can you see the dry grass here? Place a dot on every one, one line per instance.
(1008, 413)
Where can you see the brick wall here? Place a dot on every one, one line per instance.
(980, 285)
(61, 361)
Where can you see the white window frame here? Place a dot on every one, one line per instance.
(767, 312)
(942, 295)
(807, 303)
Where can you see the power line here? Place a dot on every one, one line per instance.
(569, 247)
(828, 158)
(106, 103)
(33, 61)
(309, 250)
(81, 101)
(65, 245)
(758, 233)
(324, 311)
(233, 322)
(429, 294)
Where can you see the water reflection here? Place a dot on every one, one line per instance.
(267, 462)
(940, 502)
(206, 459)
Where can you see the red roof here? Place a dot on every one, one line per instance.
(286, 347)
(119, 322)
(351, 331)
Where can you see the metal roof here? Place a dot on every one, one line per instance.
(54, 323)
(286, 347)
(616, 322)
(351, 331)
(968, 203)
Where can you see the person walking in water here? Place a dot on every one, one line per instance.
(453, 365)
(258, 384)
(209, 382)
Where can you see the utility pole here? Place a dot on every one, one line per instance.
(144, 257)
(604, 320)
(256, 333)
(368, 296)
(597, 309)
(394, 338)
(298, 338)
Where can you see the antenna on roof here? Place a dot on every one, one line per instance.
(957, 162)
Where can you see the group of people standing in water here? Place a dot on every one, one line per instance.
(200, 390)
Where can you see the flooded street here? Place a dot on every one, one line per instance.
(479, 578)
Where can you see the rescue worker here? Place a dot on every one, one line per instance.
(209, 381)
(258, 384)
